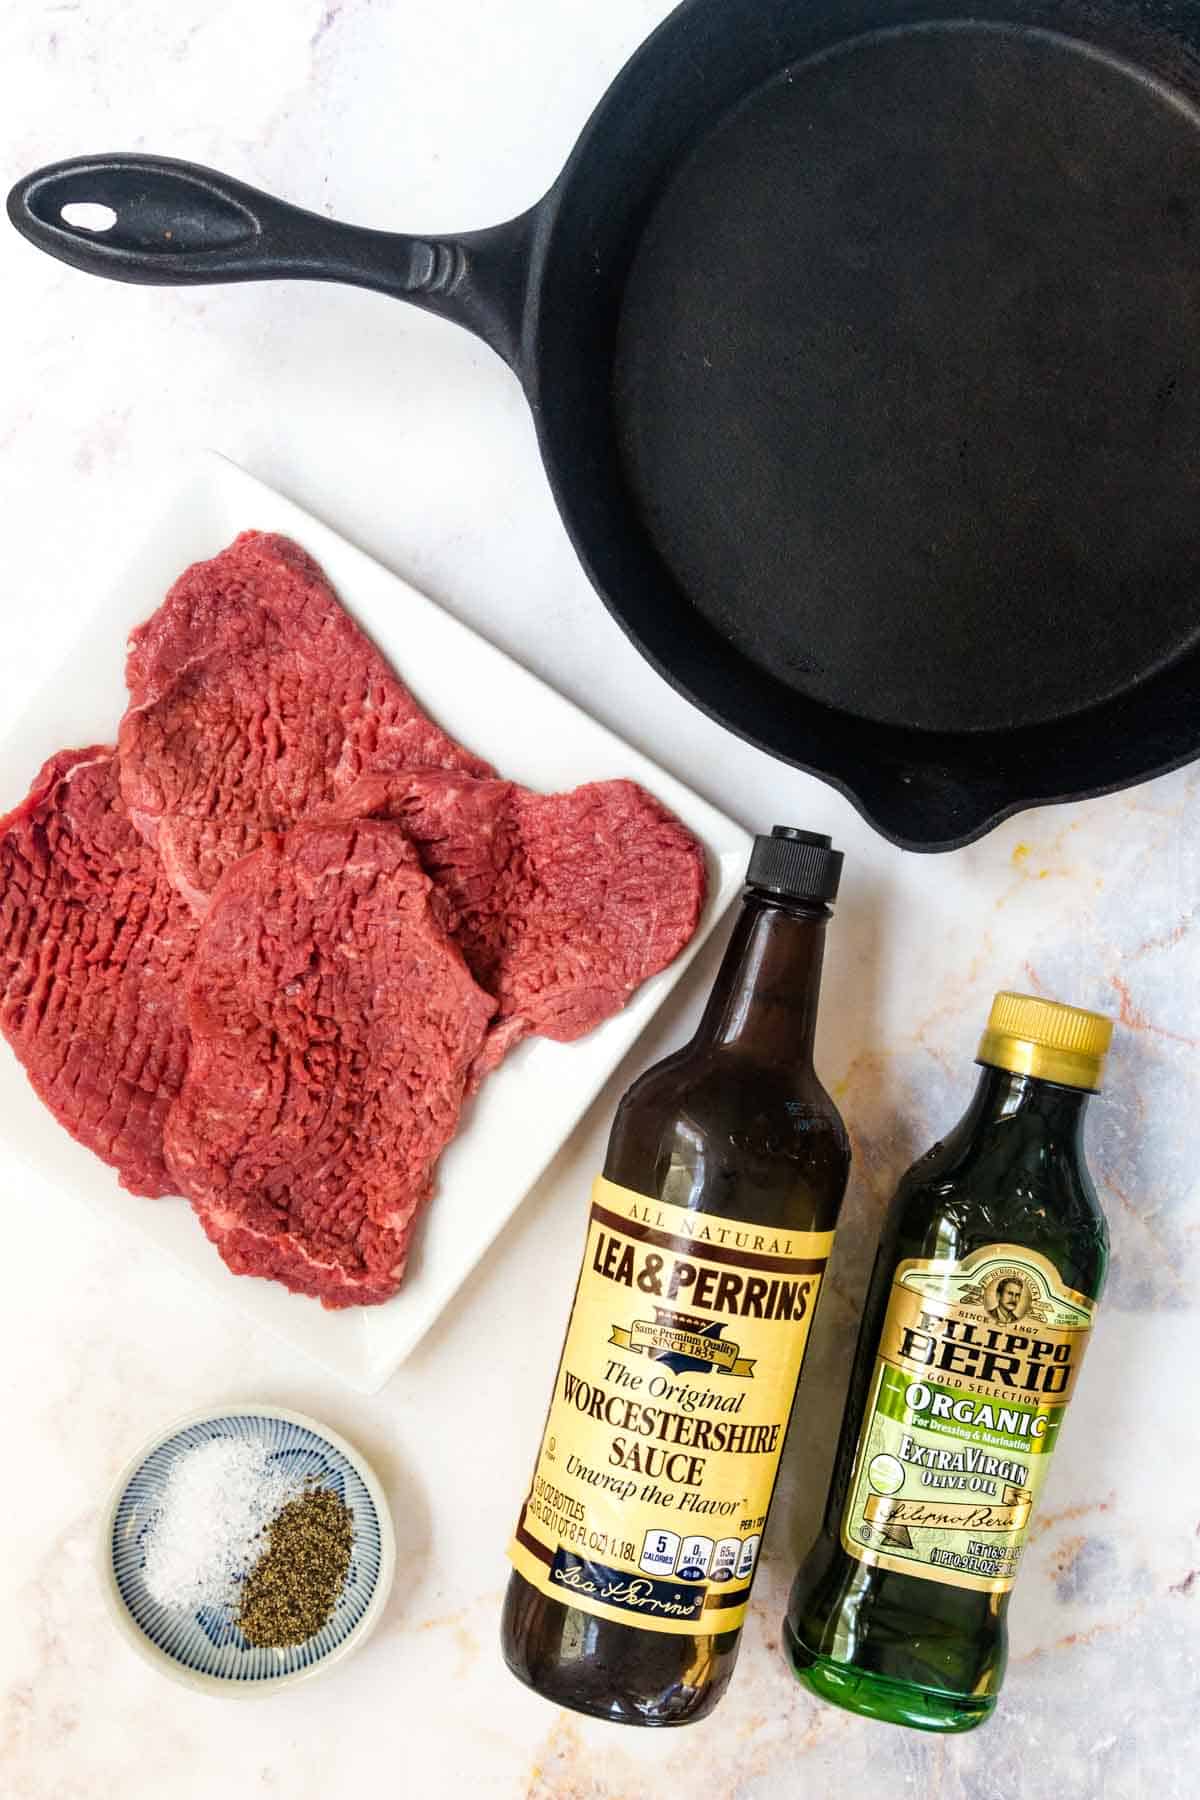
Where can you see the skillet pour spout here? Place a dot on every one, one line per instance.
(860, 341)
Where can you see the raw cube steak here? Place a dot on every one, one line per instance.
(254, 699)
(334, 1026)
(94, 951)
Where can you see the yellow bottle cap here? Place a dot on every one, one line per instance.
(1047, 1039)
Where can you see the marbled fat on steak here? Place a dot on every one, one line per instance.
(562, 904)
(94, 949)
(334, 1027)
(254, 701)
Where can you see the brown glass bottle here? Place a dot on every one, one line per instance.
(735, 1125)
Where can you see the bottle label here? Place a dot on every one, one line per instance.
(668, 1415)
(976, 1363)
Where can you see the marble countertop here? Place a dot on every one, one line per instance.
(415, 441)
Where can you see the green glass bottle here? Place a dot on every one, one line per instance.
(992, 1257)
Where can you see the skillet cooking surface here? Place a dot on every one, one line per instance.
(908, 377)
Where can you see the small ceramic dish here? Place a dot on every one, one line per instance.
(203, 1648)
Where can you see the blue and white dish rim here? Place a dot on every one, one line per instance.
(302, 1664)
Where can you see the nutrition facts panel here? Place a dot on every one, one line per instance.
(699, 1558)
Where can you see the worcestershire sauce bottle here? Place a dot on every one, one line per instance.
(979, 1312)
(706, 1246)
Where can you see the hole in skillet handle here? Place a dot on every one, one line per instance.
(88, 215)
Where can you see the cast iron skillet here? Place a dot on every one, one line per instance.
(863, 341)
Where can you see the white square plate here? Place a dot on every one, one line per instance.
(524, 1111)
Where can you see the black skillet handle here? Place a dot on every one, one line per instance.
(177, 223)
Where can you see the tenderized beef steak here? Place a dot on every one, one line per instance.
(257, 702)
(334, 1025)
(385, 919)
(254, 700)
(94, 947)
(562, 904)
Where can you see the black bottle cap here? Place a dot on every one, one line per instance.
(796, 865)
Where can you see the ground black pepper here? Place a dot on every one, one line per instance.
(294, 1586)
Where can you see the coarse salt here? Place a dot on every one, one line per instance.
(207, 1530)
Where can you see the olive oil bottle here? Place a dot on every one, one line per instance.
(707, 1239)
(991, 1262)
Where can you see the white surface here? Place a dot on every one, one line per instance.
(415, 442)
(529, 1105)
